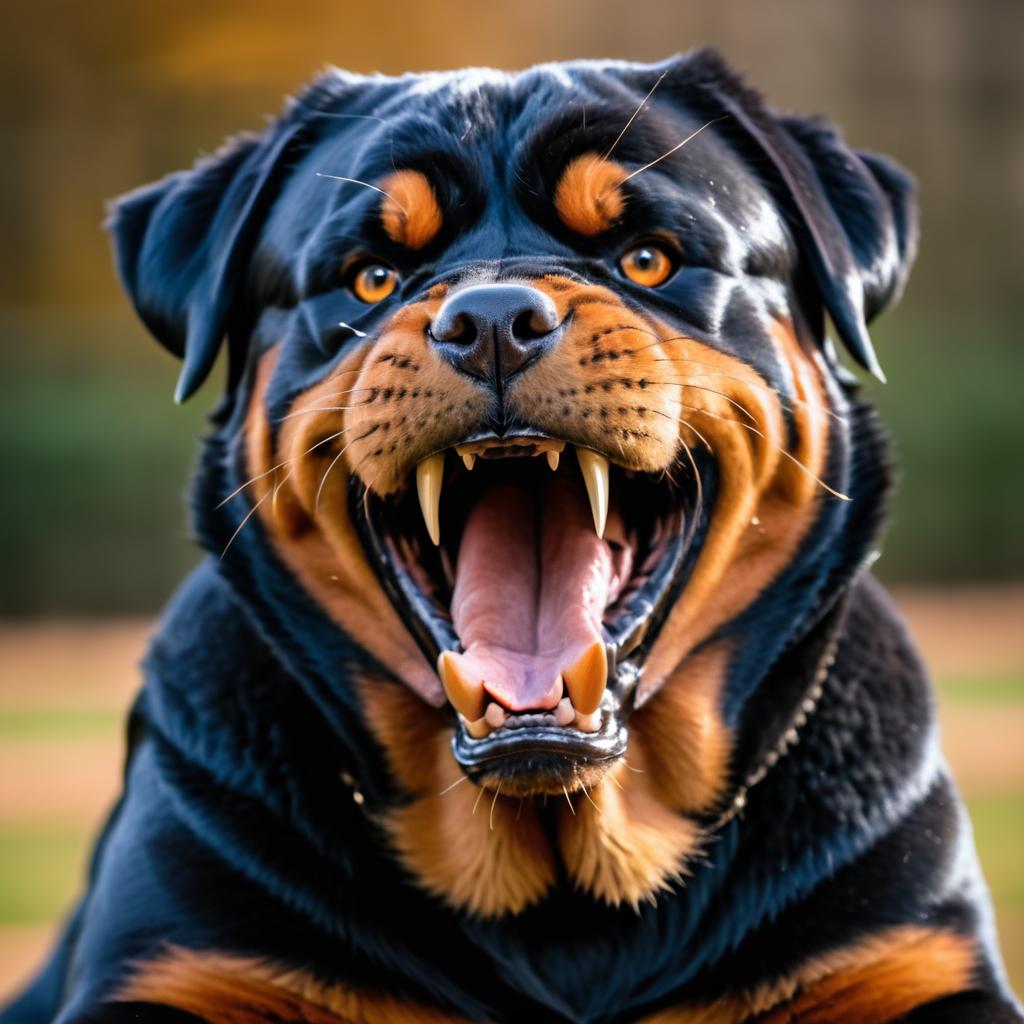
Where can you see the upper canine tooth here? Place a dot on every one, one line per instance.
(595, 475)
(468, 459)
(467, 697)
(553, 458)
(587, 678)
(429, 475)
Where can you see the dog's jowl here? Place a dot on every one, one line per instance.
(535, 672)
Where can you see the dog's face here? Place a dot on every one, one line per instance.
(529, 393)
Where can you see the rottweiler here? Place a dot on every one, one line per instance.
(536, 671)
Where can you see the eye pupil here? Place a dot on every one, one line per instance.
(644, 259)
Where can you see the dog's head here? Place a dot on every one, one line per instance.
(529, 392)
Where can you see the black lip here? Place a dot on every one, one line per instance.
(432, 632)
(628, 639)
(548, 748)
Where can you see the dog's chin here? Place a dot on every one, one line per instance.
(535, 760)
(536, 580)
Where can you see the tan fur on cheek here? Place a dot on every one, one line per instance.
(408, 403)
(768, 495)
(596, 389)
(317, 540)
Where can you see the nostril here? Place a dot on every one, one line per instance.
(458, 330)
(463, 331)
(530, 325)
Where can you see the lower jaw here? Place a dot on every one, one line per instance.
(543, 760)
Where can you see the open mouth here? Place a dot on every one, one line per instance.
(535, 576)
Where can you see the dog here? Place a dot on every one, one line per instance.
(536, 671)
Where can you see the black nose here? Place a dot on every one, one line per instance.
(491, 331)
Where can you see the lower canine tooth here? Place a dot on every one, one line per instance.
(588, 723)
(429, 474)
(586, 680)
(594, 467)
(467, 697)
(478, 729)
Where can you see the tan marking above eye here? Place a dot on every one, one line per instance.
(647, 264)
(374, 282)
(410, 213)
(588, 197)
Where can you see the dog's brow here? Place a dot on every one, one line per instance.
(410, 213)
(587, 197)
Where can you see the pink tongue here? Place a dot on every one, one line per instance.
(532, 581)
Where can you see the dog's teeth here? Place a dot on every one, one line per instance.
(429, 475)
(467, 697)
(468, 460)
(588, 723)
(595, 475)
(586, 679)
(478, 729)
(553, 458)
(564, 713)
(495, 715)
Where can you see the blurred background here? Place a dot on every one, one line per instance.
(98, 98)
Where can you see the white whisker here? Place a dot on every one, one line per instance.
(674, 149)
(365, 184)
(636, 113)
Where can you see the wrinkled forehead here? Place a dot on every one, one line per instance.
(481, 139)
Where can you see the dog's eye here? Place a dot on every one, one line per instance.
(373, 282)
(647, 264)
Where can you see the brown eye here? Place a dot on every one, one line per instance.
(374, 282)
(648, 265)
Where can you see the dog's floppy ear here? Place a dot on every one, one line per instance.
(872, 202)
(854, 214)
(181, 246)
